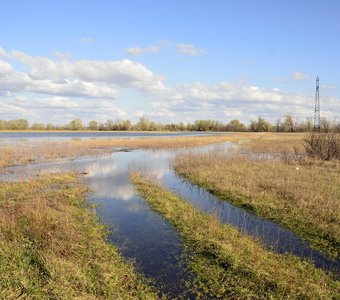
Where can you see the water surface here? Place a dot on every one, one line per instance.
(32, 136)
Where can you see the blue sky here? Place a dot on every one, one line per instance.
(168, 60)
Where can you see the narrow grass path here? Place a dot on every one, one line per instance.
(304, 197)
(230, 265)
(53, 247)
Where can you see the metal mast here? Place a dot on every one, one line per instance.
(317, 107)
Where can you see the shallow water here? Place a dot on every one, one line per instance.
(142, 234)
(31, 136)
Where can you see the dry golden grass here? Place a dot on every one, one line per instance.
(157, 142)
(303, 197)
(230, 265)
(52, 246)
(275, 142)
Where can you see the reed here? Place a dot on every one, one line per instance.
(231, 265)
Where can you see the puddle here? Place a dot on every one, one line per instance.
(143, 235)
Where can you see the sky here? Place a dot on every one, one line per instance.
(169, 61)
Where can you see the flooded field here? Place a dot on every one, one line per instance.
(142, 234)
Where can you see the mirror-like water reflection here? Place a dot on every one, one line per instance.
(142, 234)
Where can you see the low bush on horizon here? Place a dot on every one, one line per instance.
(324, 146)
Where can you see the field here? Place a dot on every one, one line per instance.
(230, 265)
(52, 246)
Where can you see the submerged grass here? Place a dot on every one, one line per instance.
(52, 246)
(25, 153)
(230, 265)
(304, 197)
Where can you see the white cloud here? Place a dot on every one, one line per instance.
(85, 40)
(2, 52)
(61, 55)
(12, 109)
(47, 109)
(5, 68)
(300, 76)
(60, 88)
(139, 51)
(189, 49)
(230, 100)
(91, 78)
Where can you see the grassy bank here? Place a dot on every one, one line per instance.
(302, 197)
(52, 246)
(229, 265)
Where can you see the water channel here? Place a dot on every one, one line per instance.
(146, 237)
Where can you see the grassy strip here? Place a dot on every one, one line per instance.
(302, 197)
(230, 265)
(52, 246)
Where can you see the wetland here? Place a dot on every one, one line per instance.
(154, 246)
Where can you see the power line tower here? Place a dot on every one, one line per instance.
(317, 107)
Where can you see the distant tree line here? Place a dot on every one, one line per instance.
(285, 124)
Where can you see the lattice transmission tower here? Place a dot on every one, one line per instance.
(317, 126)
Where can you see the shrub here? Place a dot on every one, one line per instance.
(325, 146)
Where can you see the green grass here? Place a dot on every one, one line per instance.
(53, 247)
(304, 197)
(231, 265)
